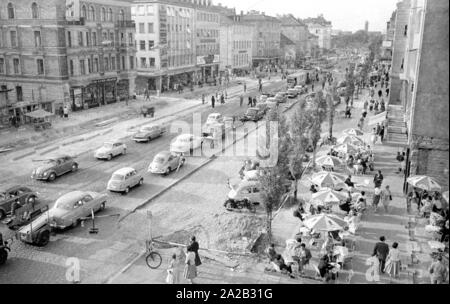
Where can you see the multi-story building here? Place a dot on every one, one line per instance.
(266, 37)
(320, 27)
(288, 51)
(235, 45)
(423, 104)
(100, 50)
(53, 54)
(296, 31)
(386, 48)
(313, 49)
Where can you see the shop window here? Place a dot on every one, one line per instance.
(34, 11)
(16, 64)
(40, 66)
(13, 36)
(10, 11)
(19, 93)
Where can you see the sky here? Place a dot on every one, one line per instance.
(347, 15)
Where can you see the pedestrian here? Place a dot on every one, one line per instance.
(373, 137)
(190, 270)
(376, 198)
(260, 87)
(387, 92)
(382, 105)
(147, 94)
(400, 160)
(393, 262)
(222, 99)
(250, 101)
(203, 98)
(312, 86)
(438, 271)
(170, 279)
(213, 101)
(304, 257)
(61, 112)
(371, 105)
(386, 198)
(378, 179)
(381, 251)
(378, 129)
(66, 111)
(380, 93)
(381, 134)
(245, 87)
(366, 104)
(241, 100)
(361, 122)
(254, 102)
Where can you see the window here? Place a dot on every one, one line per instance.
(71, 67)
(95, 65)
(80, 39)
(19, 93)
(151, 44)
(405, 33)
(143, 62)
(83, 12)
(88, 40)
(113, 63)
(111, 37)
(121, 16)
(10, 11)
(94, 38)
(110, 14)
(40, 66)
(91, 15)
(150, 10)
(34, 11)
(152, 62)
(142, 45)
(89, 65)
(16, 63)
(141, 28)
(82, 67)
(130, 39)
(150, 28)
(131, 62)
(141, 10)
(69, 39)
(106, 64)
(133, 11)
(103, 18)
(13, 35)
(37, 38)
(5, 89)
(2, 66)
(123, 62)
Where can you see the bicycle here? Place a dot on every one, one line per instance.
(153, 258)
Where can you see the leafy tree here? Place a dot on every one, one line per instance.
(317, 116)
(331, 97)
(350, 84)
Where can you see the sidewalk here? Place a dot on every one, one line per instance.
(373, 225)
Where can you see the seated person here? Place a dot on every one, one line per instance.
(346, 206)
(363, 198)
(437, 204)
(325, 266)
(271, 253)
(427, 207)
(348, 113)
(359, 205)
(313, 189)
(335, 235)
(328, 244)
(349, 182)
(304, 255)
(281, 265)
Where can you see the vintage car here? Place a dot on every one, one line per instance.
(301, 89)
(271, 103)
(165, 162)
(214, 118)
(53, 167)
(110, 150)
(263, 98)
(246, 190)
(70, 208)
(147, 133)
(124, 179)
(16, 194)
(185, 143)
(262, 107)
(253, 114)
(281, 97)
(292, 93)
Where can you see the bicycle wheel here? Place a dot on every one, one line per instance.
(153, 260)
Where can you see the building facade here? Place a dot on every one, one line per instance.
(266, 38)
(53, 54)
(386, 48)
(322, 28)
(235, 45)
(288, 51)
(296, 31)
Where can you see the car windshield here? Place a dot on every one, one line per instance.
(107, 145)
(117, 177)
(159, 159)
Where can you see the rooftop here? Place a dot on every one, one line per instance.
(318, 20)
(258, 16)
(290, 20)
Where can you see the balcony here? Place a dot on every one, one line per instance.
(76, 22)
(126, 23)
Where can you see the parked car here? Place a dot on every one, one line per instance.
(301, 89)
(185, 143)
(281, 97)
(165, 162)
(253, 114)
(214, 118)
(110, 149)
(262, 107)
(263, 98)
(53, 167)
(149, 132)
(70, 208)
(22, 195)
(292, 93)
(271, 103)
(246, 190)
(124, 179)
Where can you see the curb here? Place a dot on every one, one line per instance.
(106, 122)
(23, 155)
(92, 136)
(72, 142)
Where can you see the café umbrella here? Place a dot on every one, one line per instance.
(328, 195)
(325, 222)
(424, 182)
(328, 161)
(354, 132)
(350, 139)
(328, 179)
(346, 148)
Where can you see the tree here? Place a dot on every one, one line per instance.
(350, 84)
(317, 116)
(331, 97)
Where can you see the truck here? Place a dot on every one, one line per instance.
(37, 232)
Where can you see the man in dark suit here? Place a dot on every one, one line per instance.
(381, 250)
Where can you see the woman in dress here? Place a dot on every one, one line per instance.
(170, 279)
(190, 270)
(376, 198)
(373, 137)
(393, 261)
(386, 197)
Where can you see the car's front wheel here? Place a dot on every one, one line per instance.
(109, 157)
(74, 167)
(43, 238)
(52, 176)
(167, 171)
(141, 182)
(127, 190)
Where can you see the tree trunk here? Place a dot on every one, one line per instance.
(314, 156)
(269, 226)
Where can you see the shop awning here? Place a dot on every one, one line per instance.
(379, 118)
(39, 114)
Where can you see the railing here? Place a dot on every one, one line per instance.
(126, 23)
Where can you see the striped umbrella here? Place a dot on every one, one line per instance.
(328, 161)
(352, 131)
(350, 139)
(424, 182)
(328, 179)
(325, 222)
(346, 148)
(328, 195)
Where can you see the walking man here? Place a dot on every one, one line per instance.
(213, 101)
(438, 271)
(66, 111)
(254, 102)
(250, 101)
(381, 134)
(381, 251)
(203, 98)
